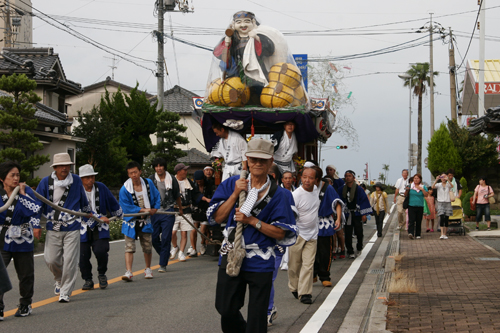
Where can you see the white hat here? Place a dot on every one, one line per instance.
(62, 159)
(86, 170)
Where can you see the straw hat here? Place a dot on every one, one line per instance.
(62, 159)
(86, 170)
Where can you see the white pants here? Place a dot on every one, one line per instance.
(62, 255)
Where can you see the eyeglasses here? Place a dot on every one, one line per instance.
(255, 160)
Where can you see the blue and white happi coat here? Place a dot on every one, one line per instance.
(26, 217)
(129, 207)
(76, 201)
(106, 203)
(327, 212)
(260, 255)
(363, 206)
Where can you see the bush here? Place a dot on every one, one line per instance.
(465, 188)
(466, 205)
(115, 230)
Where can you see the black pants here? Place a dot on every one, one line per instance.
(25, 269)
(230, 297)
(100, 247)
(323, 259)
(415, 215)
(379, 220)
(357, 226)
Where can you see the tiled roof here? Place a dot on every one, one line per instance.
(39, 64)
(194, 156)
(110, 82)
(178, 100)
(46, 114)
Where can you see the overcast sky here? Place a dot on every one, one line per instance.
(380, 108)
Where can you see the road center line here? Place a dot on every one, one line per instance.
(81, 291)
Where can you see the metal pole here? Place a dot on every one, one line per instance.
(409, 132)
(431, 67)
(482, 26)
(8, 32)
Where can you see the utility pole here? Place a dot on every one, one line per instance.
(113, 67)
(431, 63)
(8, 31)
(453, 87)
(482, 28)
(159, 70)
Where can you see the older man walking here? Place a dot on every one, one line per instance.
(62, 242)
(268, 220)
(399, 197)
(94, 237)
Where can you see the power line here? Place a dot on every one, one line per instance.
(472, 35)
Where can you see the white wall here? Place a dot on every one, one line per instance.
(55, 147)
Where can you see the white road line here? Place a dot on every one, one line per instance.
(116, 241)
(321, 315)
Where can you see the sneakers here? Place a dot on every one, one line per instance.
(192, 252)
(203, 249)
(428, 230)
(162, 269)
(148, 273)
(410, 236)
(477, 228)
(432, 230)
(173, 252)
(63, 299)
(88, 285)
(22, 311)
(57, 289)
(352, 256)
(488, 229)
(441, 237)
(445, 237)
(418, 237)
(182, 256)
(103, 281)
(327, 284)
(272, 316)
(127, 276)
(306, 299)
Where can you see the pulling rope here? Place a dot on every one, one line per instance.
(11, 200)
(236, 255)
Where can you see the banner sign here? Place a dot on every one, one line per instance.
(301, 61)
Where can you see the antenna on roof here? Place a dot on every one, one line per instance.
(113, 67)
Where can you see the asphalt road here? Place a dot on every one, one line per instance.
(181, 300)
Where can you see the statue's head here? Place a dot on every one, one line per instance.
(244, 22)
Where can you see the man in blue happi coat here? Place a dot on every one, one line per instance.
(358, 207)
(268, 220)
(138, 195)
(94, 237)
(331, 217)
(62, 242)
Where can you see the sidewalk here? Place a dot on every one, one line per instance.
(458, 283)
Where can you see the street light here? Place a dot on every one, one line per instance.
(406, 77)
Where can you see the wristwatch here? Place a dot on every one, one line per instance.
(258, 225)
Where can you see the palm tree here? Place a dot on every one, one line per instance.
(381, 177)
(385, 167)
(420, 80)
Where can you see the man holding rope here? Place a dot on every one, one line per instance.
(267, 220)
(95, 236)
(62, 242)
(138, 195)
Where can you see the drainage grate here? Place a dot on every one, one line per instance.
(489, 259)
(377, 271)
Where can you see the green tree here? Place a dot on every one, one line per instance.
(442, 153)
(169, 130)
(135, 117)
(476, 152)
(465, 187)
(381, 177)
(419, 79)
(385, 167)
(17, 120)
(108, 159)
